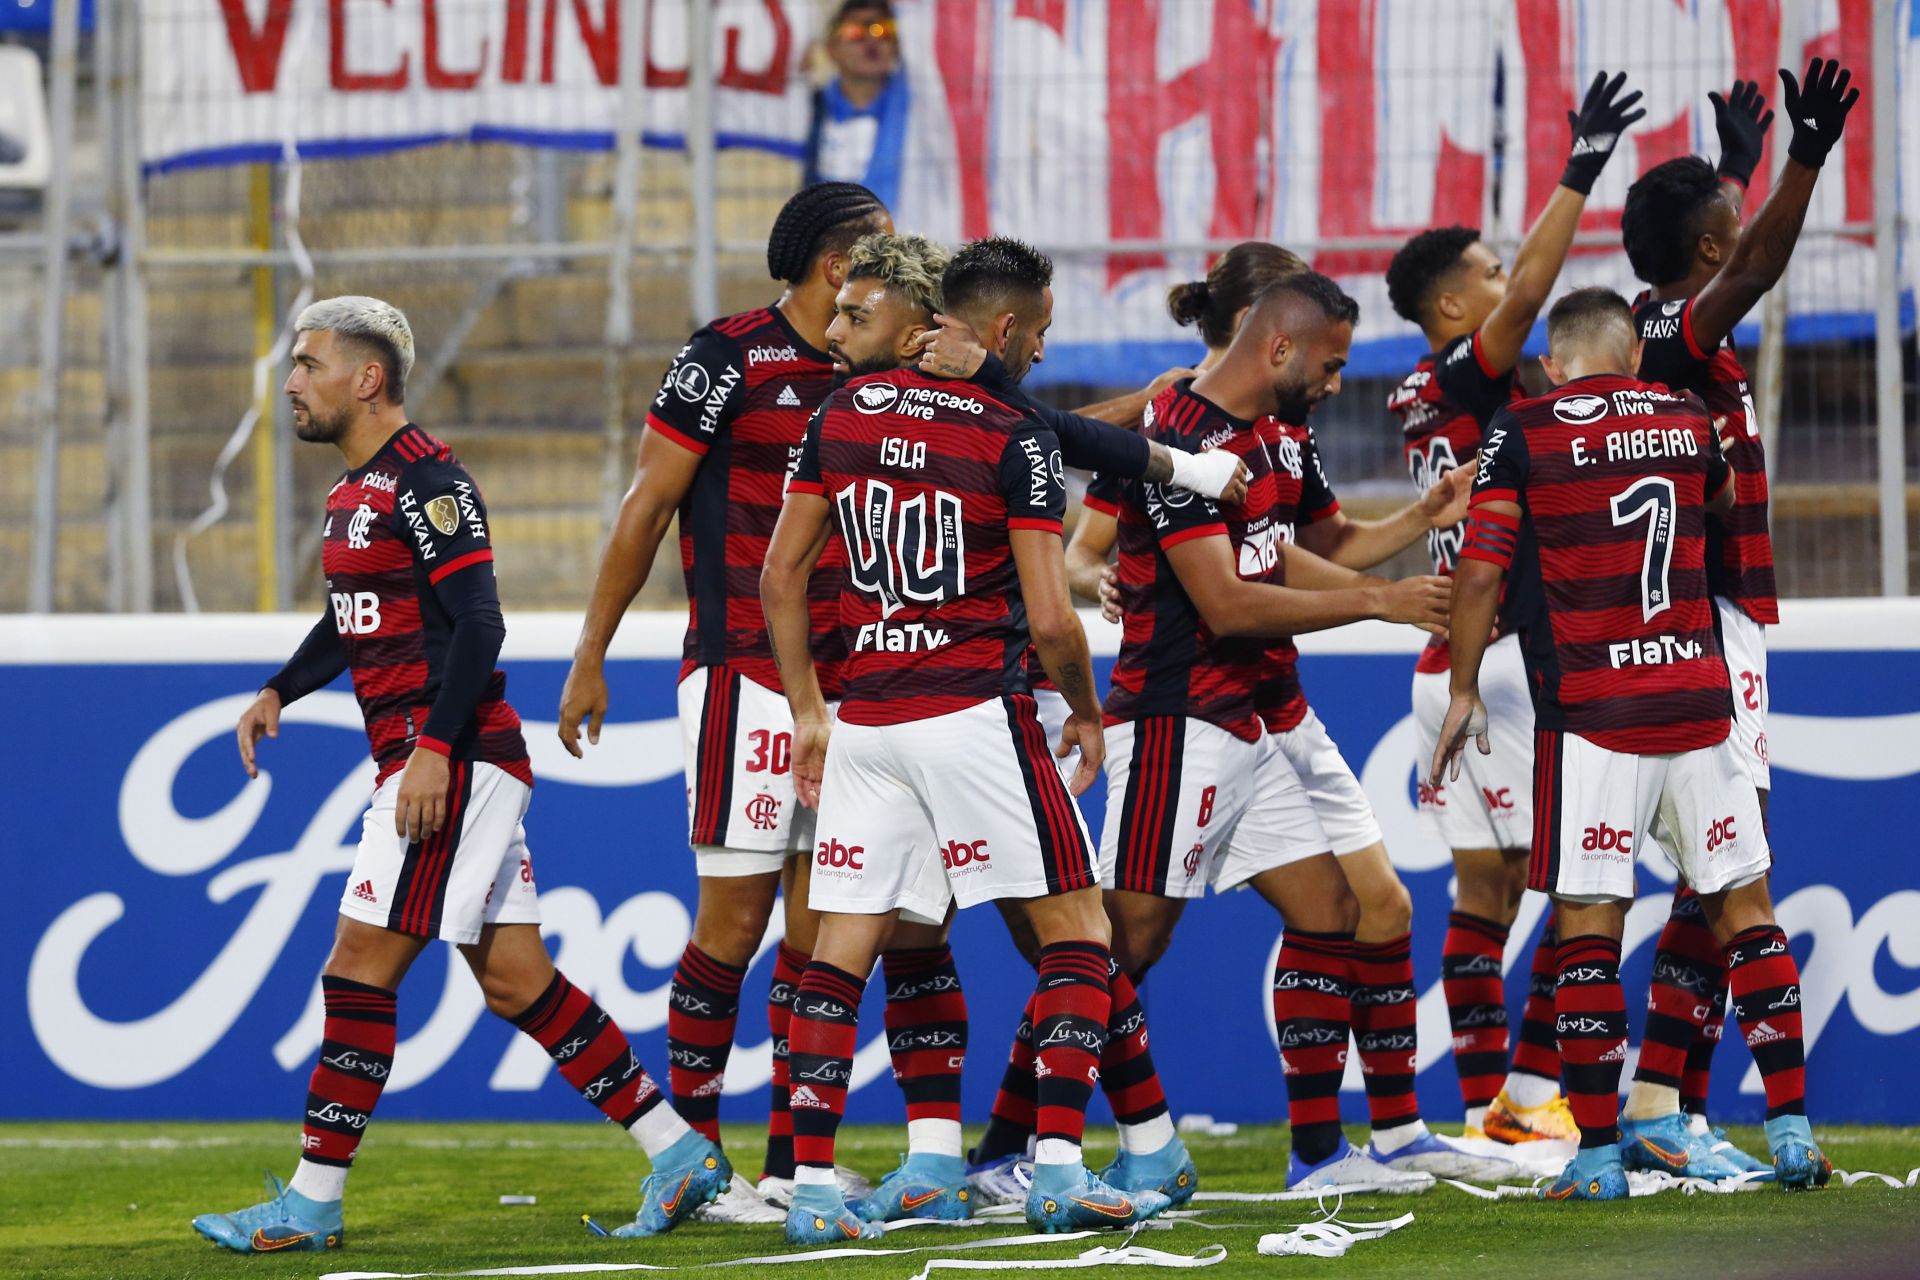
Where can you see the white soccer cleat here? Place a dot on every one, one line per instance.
(1351, 1169)
(853, 1186)
(1001, 1181)
(739, 1205)
(1468, 1160)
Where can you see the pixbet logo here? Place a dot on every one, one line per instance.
(961, 854)
(1606, 839)
(834, 854)
(1720, 831)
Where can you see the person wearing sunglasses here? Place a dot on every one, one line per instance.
(859, 127)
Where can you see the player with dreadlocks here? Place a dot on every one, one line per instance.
(730, 413)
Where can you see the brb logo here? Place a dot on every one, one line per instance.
(355, 613)
(964, 855)
(1609, 840)
(1720, 831)
(839, 857)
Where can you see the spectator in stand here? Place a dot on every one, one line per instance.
(859, 125)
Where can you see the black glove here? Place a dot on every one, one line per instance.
(1596, 130)
(1819, 111)
(1742, 129)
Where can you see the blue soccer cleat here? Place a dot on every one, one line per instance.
(924, 1186)
(1593, 1174)
(1798, 1165)
(819, 1215)
(1066, 1197)
(688, 1174)
(288, 1223)
(1667, 1145)
(1718, 1143)
(1168, 1171)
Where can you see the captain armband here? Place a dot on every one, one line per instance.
(1491, 536)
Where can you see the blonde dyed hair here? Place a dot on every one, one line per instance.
(377, 327)
(909, 265)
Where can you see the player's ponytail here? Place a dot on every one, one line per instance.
(1236, 278)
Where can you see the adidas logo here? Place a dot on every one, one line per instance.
(1763, 1034)
(787, 399)
(1616, 1054)
(805, 1097)
(364, 891)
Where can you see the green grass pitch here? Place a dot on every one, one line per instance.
(113, 1200)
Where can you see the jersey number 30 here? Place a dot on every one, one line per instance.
(1650, 499)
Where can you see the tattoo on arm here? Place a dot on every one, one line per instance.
(1072, 679)
(1159, 464)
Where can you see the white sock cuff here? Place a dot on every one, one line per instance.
(319, 1181)
(935, 1138)
(1056, 1151)
(1146, 1138)
(659, 1129)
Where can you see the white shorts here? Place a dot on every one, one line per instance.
(1347, 824)
(1491, 806)
(1051, 706)
(1744, 643)
(737, 740)
(1597, 806)
(475, 872)
(973, 793)
(1190, 805)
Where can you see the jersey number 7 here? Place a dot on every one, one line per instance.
(1650, 499)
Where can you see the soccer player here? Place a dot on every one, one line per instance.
(1201, 791)
(1310, 515)
(1596, 496)
(949, 504)
(1683, 236)
(1475, 318)
(720, 435)
(414, 615)
(891, 297)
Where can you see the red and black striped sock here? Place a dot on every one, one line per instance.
(703, 1004)
(1538, 1051)
(1016, 1103)
(1591, 1021)
(1699, 1073)
(1385, 1006)
(1688, 968)
(356, 1057)
(1312, 1015)
(592, 1052)
(821, 1038)
(926, 1022)
(1476, 1004)
(1766, 1002)
(1127, 1073)
(789, 964)
(1072, 1005)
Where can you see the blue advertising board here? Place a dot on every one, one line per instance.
(171, 917)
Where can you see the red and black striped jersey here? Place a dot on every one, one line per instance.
(1170, 663)
(395, 529)
(1739, 548)
(927, 478)
(739, 394)
(1442, 405)
(1609, 586)
(1304, 497)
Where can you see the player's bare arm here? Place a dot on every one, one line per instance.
(798, 539)
(1062, 645)
(1362, 544)
(1597, 127)
(1233, 606)
(1088, 554)
(1818, 112)
(260, 719)
(1476, 597)
(660, 481)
